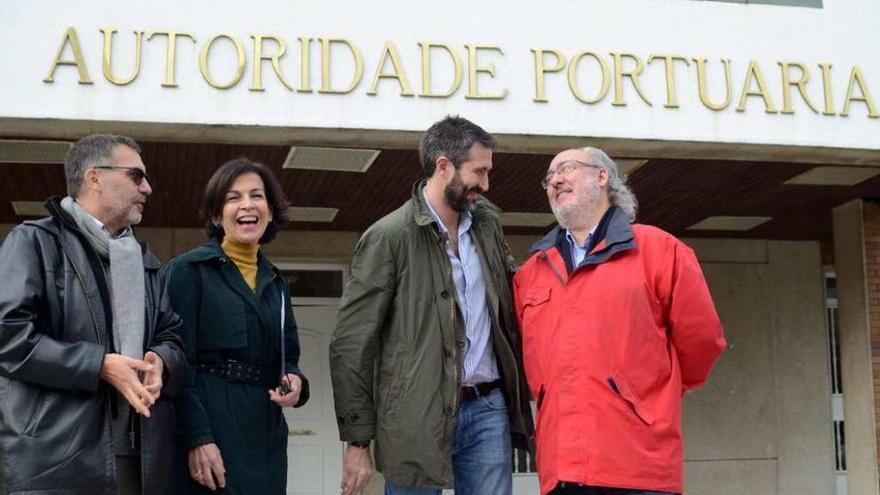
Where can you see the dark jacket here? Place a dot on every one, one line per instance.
(223, 319)
(399, 317)
(55, 328)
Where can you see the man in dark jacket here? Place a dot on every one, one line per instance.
(88, 352)
(425, 358)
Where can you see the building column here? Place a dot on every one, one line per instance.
(857, 264)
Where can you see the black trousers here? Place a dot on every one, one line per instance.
(128, 475)
(575, 489)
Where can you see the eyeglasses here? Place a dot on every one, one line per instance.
(564, 169)
(136, 174)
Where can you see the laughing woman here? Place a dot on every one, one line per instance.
(238, 328)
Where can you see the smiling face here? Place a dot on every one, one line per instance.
(470, 179)
(121, 199)
(246, 212)
(576, 188)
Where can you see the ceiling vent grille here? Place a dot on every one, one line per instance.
(333, 159)
(23, 151)
(311, 214)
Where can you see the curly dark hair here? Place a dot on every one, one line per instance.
(222, 180)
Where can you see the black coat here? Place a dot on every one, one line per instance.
(55, 328)
(224, 319)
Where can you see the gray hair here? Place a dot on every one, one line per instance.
(451, 137)
(90, 151)
(619, 194)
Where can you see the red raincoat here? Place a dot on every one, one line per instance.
(609, 350)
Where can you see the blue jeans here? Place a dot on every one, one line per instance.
(481, 453)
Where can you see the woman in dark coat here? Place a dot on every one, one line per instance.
(235, 307)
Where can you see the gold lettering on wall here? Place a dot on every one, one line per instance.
(426, 70)
(633, 75)
(826, 88)
(572, 77)
(108, 57)
(326, 83)
(753, 73)
(442, 64)
(474, 69)
(857, 79)
(704, 87)
(78, 61)
(390, 52)
(259, 57)
(801, 84)
(669, 65)
(305, 73)
(541, 68)
(240, 57)
(171, 53)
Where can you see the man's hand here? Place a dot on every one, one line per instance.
(357, 469)
(121, 372)
(206, 465)
(153, 379)
(290, 398)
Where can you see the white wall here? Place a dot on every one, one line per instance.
(842, 34)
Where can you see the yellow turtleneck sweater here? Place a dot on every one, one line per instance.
(245, 258)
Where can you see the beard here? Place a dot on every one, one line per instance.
(575, 214)
(457, 194)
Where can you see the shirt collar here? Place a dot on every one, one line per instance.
(464, 221)
(573, 242)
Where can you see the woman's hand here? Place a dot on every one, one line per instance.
(291, 397)
(206, 466)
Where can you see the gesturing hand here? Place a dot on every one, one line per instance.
(121, 373)
(153, 379)
(206, 466)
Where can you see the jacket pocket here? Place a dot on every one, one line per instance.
(534, 305)
(622, 388)
(42, 405)
(223, 325)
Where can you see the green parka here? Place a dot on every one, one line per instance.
(398, 349)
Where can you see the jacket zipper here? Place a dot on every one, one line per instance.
(543, 255)
(82, 284)
(93, 314)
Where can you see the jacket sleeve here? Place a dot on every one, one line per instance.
(353, 351)
(291, 348)
(168, 344)
(32, 347)
(532, 375)
(184, 292)
(694, 327)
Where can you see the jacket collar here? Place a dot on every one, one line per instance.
(618, 237)
(483, 209)
(212, 252)
(63, 219)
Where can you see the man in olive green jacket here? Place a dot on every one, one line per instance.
(426, 356)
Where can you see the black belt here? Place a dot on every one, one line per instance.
(471, 392)
(238, 372)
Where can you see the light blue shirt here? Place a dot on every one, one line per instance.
(578, 252)
(470, 288)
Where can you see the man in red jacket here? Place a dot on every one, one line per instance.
(617, 325)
